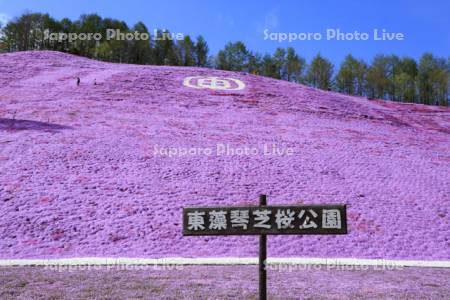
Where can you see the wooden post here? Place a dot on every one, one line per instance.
(262, 258)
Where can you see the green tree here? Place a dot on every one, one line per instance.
(405, 80)
(254, 65)
(186, 52)
(201, 52)
(140, 50)
(295, 66)
(165, 53)
(279, 59)
(269, 68)
(351, 78)
(320, 73)
(433, 80)
(234, 57)
(27, 32)
(378, 82)
(66, 26)
(91, 23)
(114, 50)
(394, 69)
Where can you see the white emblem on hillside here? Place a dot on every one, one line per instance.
(214, 83)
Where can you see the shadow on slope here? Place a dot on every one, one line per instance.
(19, 125)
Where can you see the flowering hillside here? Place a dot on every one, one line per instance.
(80, 176)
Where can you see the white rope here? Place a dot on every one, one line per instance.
(110, 261)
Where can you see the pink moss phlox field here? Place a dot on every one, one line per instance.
(79, 176)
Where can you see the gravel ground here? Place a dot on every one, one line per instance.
(224, 282)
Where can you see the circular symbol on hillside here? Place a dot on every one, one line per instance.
(214, 83)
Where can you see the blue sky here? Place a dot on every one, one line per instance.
(425, 24)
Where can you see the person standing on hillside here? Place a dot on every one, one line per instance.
(78, 81)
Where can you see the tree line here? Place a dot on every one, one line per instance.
(27, 32)
(389, 77)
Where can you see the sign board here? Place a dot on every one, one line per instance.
(268, 220)
(263, 220)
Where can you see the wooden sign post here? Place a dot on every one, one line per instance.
(263, 220)
(262, 257)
